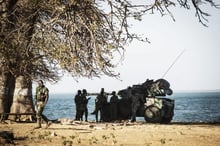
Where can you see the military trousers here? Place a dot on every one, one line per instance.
(39, 112)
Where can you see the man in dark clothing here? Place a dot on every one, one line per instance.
(78, 102)
(136, 101)
(114, 106)
(85, 102)
(100, 102)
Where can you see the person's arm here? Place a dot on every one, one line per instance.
(75, 99)
(35, 97)
(46, 96)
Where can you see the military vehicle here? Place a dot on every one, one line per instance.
(155, 108)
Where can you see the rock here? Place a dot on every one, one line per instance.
(53, 134)
(91, 126)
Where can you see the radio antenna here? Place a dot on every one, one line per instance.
(173, 63)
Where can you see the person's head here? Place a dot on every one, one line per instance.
(129, 88)
(113, 92)
(102, 90)
(40, 83)
(84, 91)
(79, 92)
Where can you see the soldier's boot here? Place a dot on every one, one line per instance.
(38, 124)
(133, 118)
(96, 117)
(48, 124)
(86, 116)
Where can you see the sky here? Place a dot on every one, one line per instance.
(198, 68)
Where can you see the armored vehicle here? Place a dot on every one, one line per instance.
(154, 107)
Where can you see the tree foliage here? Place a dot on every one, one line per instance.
(17, 26)
(44, 38)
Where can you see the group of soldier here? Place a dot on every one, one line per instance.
(136, 98)
(81, 105)
(81, 102)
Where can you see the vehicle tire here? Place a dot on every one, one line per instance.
(166, 120)
(152, 114)
(169, 92)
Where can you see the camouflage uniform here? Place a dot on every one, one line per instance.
(41, 98)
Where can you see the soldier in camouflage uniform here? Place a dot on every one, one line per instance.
(41, 98)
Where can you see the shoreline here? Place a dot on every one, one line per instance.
(120, 134)
(59, 121)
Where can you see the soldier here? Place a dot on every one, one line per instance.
(114, 106)
(41, 98)
(154, 90)
(85, 102)
(100, 102)
(136, 100)
(78, 100)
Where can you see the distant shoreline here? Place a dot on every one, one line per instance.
(177, 91)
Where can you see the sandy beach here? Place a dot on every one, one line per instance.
(119, 134)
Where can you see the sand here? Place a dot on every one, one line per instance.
(119, 134)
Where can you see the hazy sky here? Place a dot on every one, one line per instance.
(197, 69)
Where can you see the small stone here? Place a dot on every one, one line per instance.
(53, 134)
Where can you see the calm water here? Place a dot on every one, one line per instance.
(189, 107)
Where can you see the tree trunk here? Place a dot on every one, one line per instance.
(22, 100)
(7, 82)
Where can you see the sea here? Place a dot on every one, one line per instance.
(190, 107)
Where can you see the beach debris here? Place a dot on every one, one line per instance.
(99, 128)
(91, 126)
(65, 121)
(180, 133)
(163, 140)
(53, 134)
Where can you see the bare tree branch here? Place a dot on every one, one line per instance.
(49, 38)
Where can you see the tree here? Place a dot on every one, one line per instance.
(46, 38)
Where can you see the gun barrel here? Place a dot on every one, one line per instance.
(91, 94)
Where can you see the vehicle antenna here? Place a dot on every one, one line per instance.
(173, 63)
